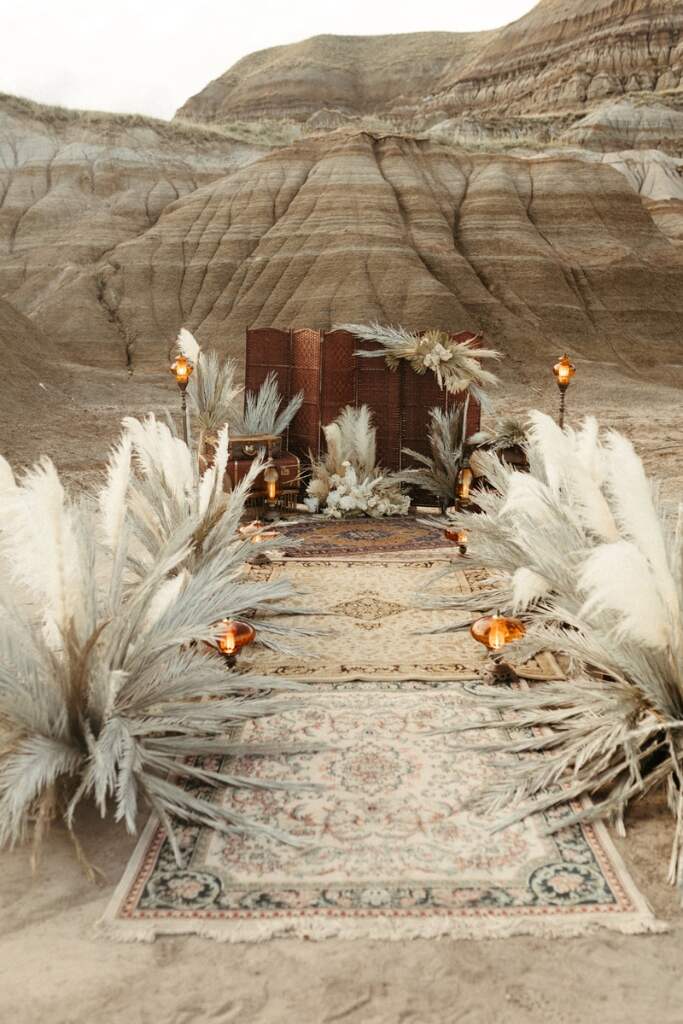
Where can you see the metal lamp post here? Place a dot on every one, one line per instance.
(564, 371)
(182, 370)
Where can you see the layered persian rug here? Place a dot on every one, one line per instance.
(390, 845)
(383, 539)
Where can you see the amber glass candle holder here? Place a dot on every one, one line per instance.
(234, 636)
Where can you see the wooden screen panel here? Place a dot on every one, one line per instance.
(380, 388)
(304, 432)
(268, 349)
(420, 392)
(338, 374)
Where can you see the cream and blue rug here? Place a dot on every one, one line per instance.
(394, 849)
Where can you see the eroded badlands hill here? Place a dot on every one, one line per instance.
(525, 181)
(560, 59)
(354, 75)
(74, 185)
(540, 252)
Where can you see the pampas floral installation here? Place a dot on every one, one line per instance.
(348, 481)
(584, 547)
(457, 365)
(116, 696)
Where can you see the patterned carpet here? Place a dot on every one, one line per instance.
(363, 538)
(373, 628)
(393, 847)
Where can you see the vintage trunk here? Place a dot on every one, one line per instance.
(289, 468)
(323, 365)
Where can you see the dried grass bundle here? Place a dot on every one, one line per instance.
(114, 695)
(438, 473)
(263, 413)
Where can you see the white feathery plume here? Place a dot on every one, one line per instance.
(637, 516)
(527, 588)
(333, 440)
(164, 597)
(44, 553)
(526, 494)
(7, 481)
(206, 489)
(157, 449)
(618, 579)
(552, 444)
(221, 456)
(112, 497)
(188, 346)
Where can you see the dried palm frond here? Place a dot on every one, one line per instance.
(164, 493)
(262, 414)
(119, 697)
(586, 549)
(456, 364)
(447, 438)
(347, 480)
(535, 529)
(506, 433)
(212, 389)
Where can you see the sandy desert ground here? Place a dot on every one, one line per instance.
(55, 969)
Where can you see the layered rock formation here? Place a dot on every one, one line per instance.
(74, 185)
(540, 253)
(559, 59)
(499, 192)
(563, 56)
(350, 75)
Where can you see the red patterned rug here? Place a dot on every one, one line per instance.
(344, 538)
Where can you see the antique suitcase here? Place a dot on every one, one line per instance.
(289, 468)
(324, 367)
(249, 447)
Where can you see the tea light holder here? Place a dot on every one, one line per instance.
(233, 637)
(459, 537)
(495, 632)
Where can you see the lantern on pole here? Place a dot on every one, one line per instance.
(564, 370)
(182, 370)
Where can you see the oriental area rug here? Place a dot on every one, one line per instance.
(389, 842)
(362, 538)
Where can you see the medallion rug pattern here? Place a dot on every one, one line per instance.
(394, 848)
(372, 627)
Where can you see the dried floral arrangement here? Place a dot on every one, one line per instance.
(438, 472)
(263, 412)
(348, 481)
(584, 547)
(457, 365)
(212, 389)
(116, 696)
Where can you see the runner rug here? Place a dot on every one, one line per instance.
(395, 851)
(372, 627)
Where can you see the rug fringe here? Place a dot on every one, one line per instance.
(385, 929)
